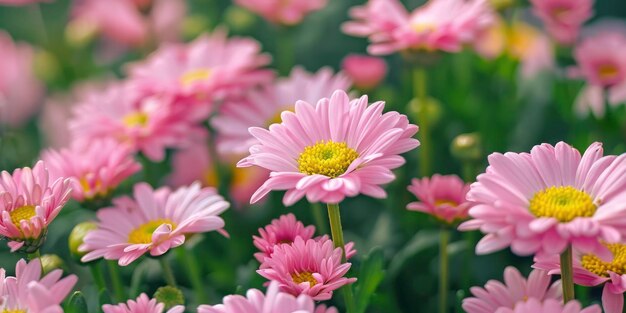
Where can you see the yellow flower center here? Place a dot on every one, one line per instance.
(327, 158)
(194, 76)
(276, 119)
(22, 213)
(88, 189)
(423, 27)
(599, 267)
(564, 203)
(143, 233)
(136, 119)
(13, 311)
(443, 202)
(608, 71)
(304, 277)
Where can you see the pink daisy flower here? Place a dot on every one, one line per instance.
(143, 304)
(440, 196)
(438, 25)
(283, 230)
(29, 202)
(274, 301)
(308, 267)
(365, 71)
(544, 201)
(551, 306)
(28, 291)
(94, 170)
(286, 12)
(496, 296)
(153, 222)
(563, 18)
(335, 149)
(263, 108)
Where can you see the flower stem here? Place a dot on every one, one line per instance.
(337, 233)
(167, 272)
(316, 209)
(98, 277)
(34, 255)
(286, 54)
(116, 281)
(444, 238)
(188, 258)
(567, 274)
(421, 98)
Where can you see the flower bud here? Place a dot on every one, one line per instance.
(80, 32)
(193, 25)
(51, 262)
(365, 71)
(467, 147)
(428, 111)
(239, 19)
(77, 237)
(170, 296)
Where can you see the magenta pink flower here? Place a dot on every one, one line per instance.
(335, 149)
(308, 267)
(29, 202)
(496, 296)
(153, 222)
(544, 201)
(551, 306)
(365, 71)
(438, 25)
(441, 196)
(283, 230)
(143, 304)
(563, 18)
(286, 12)
(28, 291)
(263, 108)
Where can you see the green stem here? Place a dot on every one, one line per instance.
(567, 275)
(320, 222)
(96, 273)
(188, 258)
(167, 272)
(34, 255)
(116, 281)
(336, 230)
(421, 97)
(286, 54)
(444, 238)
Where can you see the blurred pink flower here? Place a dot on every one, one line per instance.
(438, 25)
(28, 291)
(143, 304)
(153, 222)
(441, 196)
(365, 71)
(95, 170)
(29, 202)
(283, 230)
(21, 2)
(20, 91)
(496, 296)
(273, 301)
(308, 267)
(544, 201)
(338, 148)
(263, 108)
(286, 12)
(563, 18)
(551, 306)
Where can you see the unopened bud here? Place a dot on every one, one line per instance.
(77, 236)
(427, 111)
(467, 147)
(239, 19)
(51, 262)
(80, 32)
(194, 25)
(170, 296)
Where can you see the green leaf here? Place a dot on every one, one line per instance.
(77, 303)
(104, 298)
(421, 241)
(370, 275)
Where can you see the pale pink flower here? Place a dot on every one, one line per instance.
(153, 222)
(551, 306)
(335, 149)
(21, 2)
(440, 196)
(285, 12)
(273, 301)
(263, 108)
(563, 18)
(29, 202)
(366, 72)
(437, 25)
(283, 230)
(143, 304)
(496, 296)
(20, 91)
(544, 201)
(95, 170)
(308, 267)
(28, 291)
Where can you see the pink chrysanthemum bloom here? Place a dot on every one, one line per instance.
(263, 108)
(308, 267)
(273, 301)
(551, 306)
(29, 202)
(335, 149)
(283, 230)
(440, 196)
(28, 291)
(147, 124)
(544, 201)
(366, 72)
(153, 222)
(143, 304)
(95, 170)
(438, 25)
(563, 18)
(496, 296)
(285, 12)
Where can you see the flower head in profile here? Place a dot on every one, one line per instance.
(143, 304)
(29, 202)
(153, 222)
(441, 196)
(335, 149)
(496, 296)
(94, 170)
(284, 12)
(437, 25)
(273, 301)
(545, 200)
(551, 306)
(563, 18)
(307, 267)
(283, 230)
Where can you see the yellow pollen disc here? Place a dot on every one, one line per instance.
(195, 76)
(608, 71)
(88, 189)
(135, 119)
(564, 203)
(13, 311)
(423, 27)
(304, 277)
(22, 213)
(599, 267)
(448, 202)
(327, 158)
(143, 233)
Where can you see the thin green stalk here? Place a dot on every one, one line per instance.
(98, 276)
(116, 281)
(421, 96)
(167, 272)
(34, 255)
(336, 230)
(286, 54)
(188, 258)
(567, 275)
(320, 222)
(444, 238)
